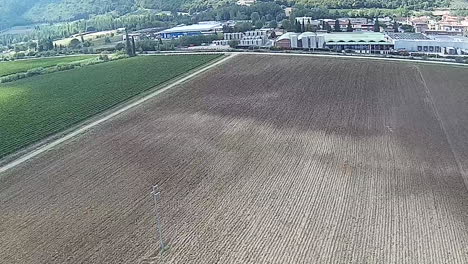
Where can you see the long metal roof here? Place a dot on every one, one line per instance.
(343, 37)
(194, 28)
(355, 37)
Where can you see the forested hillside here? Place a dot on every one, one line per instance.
(14, 12)
(33, 11)
(352, 4)
(11, 11)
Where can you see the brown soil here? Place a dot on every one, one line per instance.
(265, 159)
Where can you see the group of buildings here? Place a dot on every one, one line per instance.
(375, 42)
(361, 42)
(358, 24)
(444, 24)
(446, 37)
(253, 38)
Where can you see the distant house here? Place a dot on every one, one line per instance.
(288, 11)
(135, 36)
(420, 27)
(246, 2)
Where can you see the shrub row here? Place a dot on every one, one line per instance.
(61, 67)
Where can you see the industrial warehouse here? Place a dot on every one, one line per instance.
(356, 42)
(375, 42)
(429, 44)
(361, 42)
(202, 28)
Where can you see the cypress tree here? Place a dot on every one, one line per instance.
(50, 44)
(127, 43)
(133, 47)
(349, 28)
(395, 27)
(298, 27)
(328, 27)
(376, 25)
(337, 26)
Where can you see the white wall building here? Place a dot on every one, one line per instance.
(246, 2)
(311, 40)
(361, 42)
(252, 41)
(233, 36)
(430, 44)
(254, 38)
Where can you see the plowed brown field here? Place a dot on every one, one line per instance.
(264, 159)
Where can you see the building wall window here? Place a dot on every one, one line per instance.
(419, 48)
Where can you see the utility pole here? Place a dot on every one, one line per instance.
(156, 195)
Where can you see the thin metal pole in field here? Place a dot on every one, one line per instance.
(156, 194)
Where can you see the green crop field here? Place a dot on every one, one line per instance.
(11, 67)
(34, 108)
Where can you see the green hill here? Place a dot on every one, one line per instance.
(15, 12)
(390, 4)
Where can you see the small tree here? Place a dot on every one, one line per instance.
(233, 44)
(328, 28)
(128, 45)
(376, 25)
(349, 28)
(74, 43)
(133, 47)
(273, 24)
(242, 27)
(273, 35)
(259, 24)
(311, 28)
(337, 26)
(407, 28)
(32, 45)
(286, 25)
(50, 44)
(120, 46)
(280, 17)
(396, 27)
(255, 17)
(298, 27)
(227, 29)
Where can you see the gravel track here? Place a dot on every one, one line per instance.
(265, 159)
